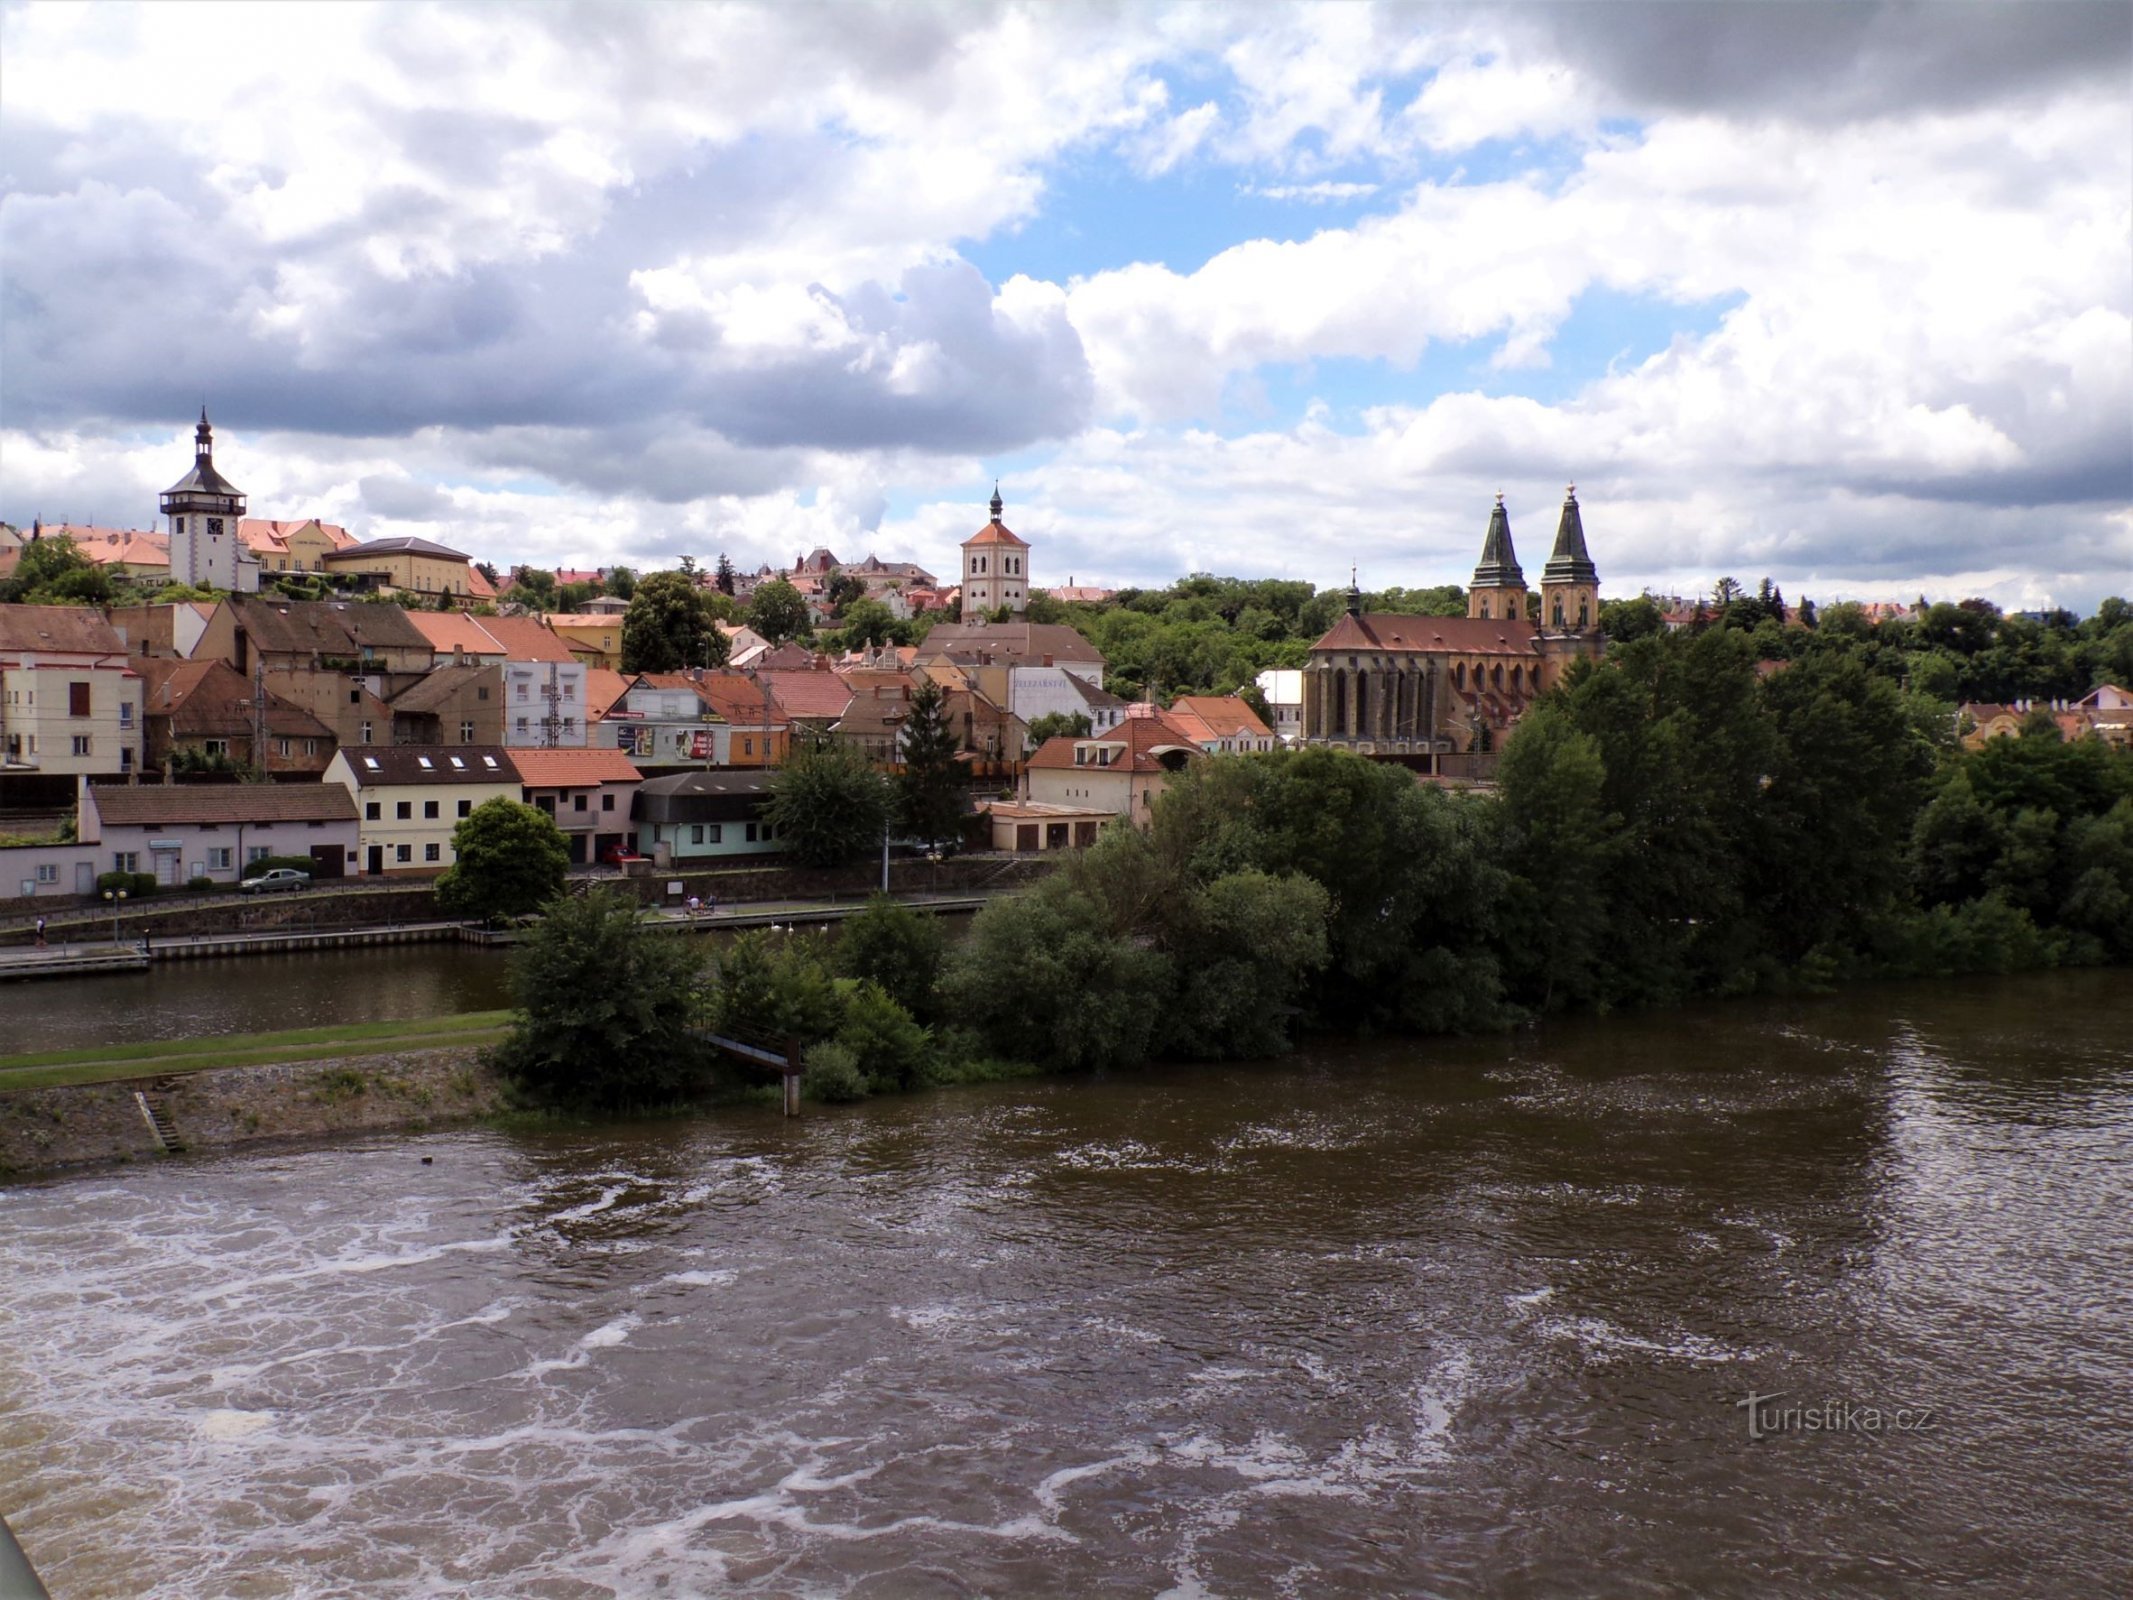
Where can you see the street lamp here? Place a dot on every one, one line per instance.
(117, 897)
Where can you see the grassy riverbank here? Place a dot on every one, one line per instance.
(154, 1058)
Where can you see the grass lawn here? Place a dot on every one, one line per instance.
(104, 1063)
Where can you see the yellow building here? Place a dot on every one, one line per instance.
(410, 797)
(594, 639)
(405, 566)
(293, 546)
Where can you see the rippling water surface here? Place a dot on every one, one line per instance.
(1389, 1318)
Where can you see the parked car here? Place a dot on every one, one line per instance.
(617, 854)
(273, 881)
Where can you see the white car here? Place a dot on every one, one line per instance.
(276, 879)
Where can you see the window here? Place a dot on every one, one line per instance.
(219, 858)
(216, 747)
(48, 873)
(125, 861)
(466, 731)
(522, 725)
(125, 715)
(257, 852)
(366, 733)
(696, 833)
(177, 524)
(751, 833)
(310, 747)
(404, 810)
(577, 802)
(283, 747)
(355, 697)
(77, 699)
(81, 744)
(466, 808)
(372, 811)
(747, 747)
(655, 832)
(607, 802)
(524, 688)
(432, 852)
(429, 809)
(715, 831)
(481, 692)
(403, 852)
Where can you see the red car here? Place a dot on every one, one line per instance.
(616, 854)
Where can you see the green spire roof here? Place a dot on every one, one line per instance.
(1570, 563)
(1499, 567)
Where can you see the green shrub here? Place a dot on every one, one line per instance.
(889, 1047)
(833, 1073)
(899, 948)
(138, 885)
(197, 884)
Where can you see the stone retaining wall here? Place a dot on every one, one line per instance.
(42, 1130)
(907, 875)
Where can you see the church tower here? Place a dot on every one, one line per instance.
(1570, 584)
(1499, 587)
(995, 569)
(204, 509)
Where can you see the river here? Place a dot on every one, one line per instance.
(1451, 1318)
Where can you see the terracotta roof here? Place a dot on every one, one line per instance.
(1140, 742)
(386, 764)
(1392, 632)
(73, 630)
(573, 769)
(604, 687)
(739, 699)
(995, 532)
(525, 639)
(454, 630)
(261, 533)
(135, 547)
(1224, 716)
(478, 584)
(155, 805)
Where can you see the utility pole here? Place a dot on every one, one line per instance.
(259, 715)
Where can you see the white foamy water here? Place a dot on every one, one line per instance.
(1431, 1334)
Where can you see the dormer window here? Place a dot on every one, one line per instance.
(424, 763)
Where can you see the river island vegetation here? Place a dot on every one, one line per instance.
(1683, 818)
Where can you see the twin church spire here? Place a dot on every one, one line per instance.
(1570, 584)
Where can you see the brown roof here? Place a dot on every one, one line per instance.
(154, 805)
(375, 764)
(212, 699)
(75, 630)
(324, 627)
(604, 689)
(573, 769)
(1393, 632)
(442, 686)
(1022, 643)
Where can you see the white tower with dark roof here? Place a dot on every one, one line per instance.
(204, 509)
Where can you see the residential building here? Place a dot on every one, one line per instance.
(140, 554)
(1121, 771)
(340, 660)
(1384, 683)
(205, 509)
(662, 721)
(995, 568)
(405, 565)
(202, 711)
(292, 548)
(170, 630)
(409, 798)
(1014, 644)
(758, 731)
(452, 705)
(183, 831)
(590, 793)
(592, 638)
(874, 717)
(70, 702)
(812, 698)
(1030, 825)
(1221, 724)
(701, 818)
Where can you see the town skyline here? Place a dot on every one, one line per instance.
(1272, 293)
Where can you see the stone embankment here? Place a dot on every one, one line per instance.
(43, 1130)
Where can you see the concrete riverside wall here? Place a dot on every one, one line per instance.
(43, 1130)
(320, 907)
(738, 885)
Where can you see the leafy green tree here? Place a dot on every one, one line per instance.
(621, 583)
(828, 805)
(722, 576)
(1056, 725)
(929, 790)
(1636, 618)
(532, 588)
(778, 612)
(54, 571)
(606, 1008)
(1560, 846)
(510, 860)
(900, 949)
(667, 629)
(842, 589)
(888, 1046)
(768, 987)
(1245, 947)
(867, 622)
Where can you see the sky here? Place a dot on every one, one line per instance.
(1840, 294)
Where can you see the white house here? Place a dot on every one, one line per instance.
(184, 831)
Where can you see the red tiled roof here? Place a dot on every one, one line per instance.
(1225, 716)
(1392, 632)
(995, 532)
(525, 639)
(573, 769)
(809, 694)
(454, 630)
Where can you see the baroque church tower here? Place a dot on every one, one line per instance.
(204, 509)
(1499, 587)
(995, 569)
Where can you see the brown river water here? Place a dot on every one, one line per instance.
(1386, 1318)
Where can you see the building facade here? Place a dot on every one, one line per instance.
(410, 798)
(995, 568)
(218, 831)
